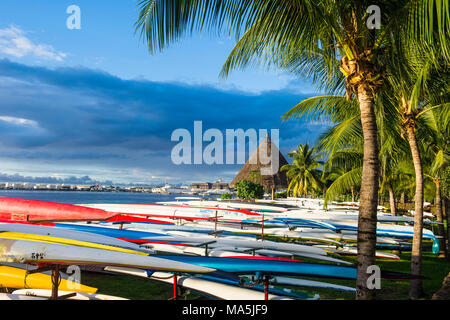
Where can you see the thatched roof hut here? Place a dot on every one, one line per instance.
(268, 175)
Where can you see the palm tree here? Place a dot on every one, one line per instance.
(388, 181)
(428, 93)
(343, 143)
(344, 169)
(329, 38)
(395, 165)
(437, 151)
(304, 173)
(446, 204)
(415, 87)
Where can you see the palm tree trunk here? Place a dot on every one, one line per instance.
(353, 194)
(446, 202)
(440, 218)
(367, 220)
(392, 201)
(416, 289)
(402, 200)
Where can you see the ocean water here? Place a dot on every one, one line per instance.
(78, 197)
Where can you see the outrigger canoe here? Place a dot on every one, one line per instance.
(247, 266)
(38, 211)
(18, 278)
(210, 288)
(42, 250)
(44, 293)
(186, 239)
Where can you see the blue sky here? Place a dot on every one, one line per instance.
(94, 103)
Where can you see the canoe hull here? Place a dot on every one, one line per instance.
(36, 210)
(18, 278)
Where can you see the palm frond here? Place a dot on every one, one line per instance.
(324, 108)
(344, 183)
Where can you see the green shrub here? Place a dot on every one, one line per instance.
(249, 190)
(225, 196)
(281, 195)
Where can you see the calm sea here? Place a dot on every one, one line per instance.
(76, 197)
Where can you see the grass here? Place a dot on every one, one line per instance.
(132, 288)
(434, 268)
(141, 289)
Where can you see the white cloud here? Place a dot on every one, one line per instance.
(14, 42)
(19, 121)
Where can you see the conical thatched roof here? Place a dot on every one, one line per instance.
(268, 175)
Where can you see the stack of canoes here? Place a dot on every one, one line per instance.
(224, 250)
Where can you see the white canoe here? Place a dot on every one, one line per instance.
(42, 293)
(227, 205)
(6, 296)
(34, 252)
(218, 290)
(309, 283)
(173, 211)
(232, 252)
(235, 241)
(354, 251)
(168, 248)
(68, 234)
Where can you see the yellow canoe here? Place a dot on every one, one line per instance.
(55, 240)
(17, 278)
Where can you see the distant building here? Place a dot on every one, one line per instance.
(18, 186)
(83, 188)
(220, 185)
(201, 186)
(27, 186)
(217, 187)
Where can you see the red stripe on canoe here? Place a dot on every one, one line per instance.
(126, 218)
(139, 241)
(175, 216)
(264, 258)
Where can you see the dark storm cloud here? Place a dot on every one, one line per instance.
(79, 113)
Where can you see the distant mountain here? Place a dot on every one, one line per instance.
(85, 180)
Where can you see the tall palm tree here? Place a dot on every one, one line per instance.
(343, 143)
(332, 176)
(446, 204)
(415, 87)
(437, 151)
(330, 37)
(304, 173)
(395, 164)
(388, 179)
(344, 169)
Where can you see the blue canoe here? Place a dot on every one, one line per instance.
(280, 267)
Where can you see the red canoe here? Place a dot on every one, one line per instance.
(39, 211)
